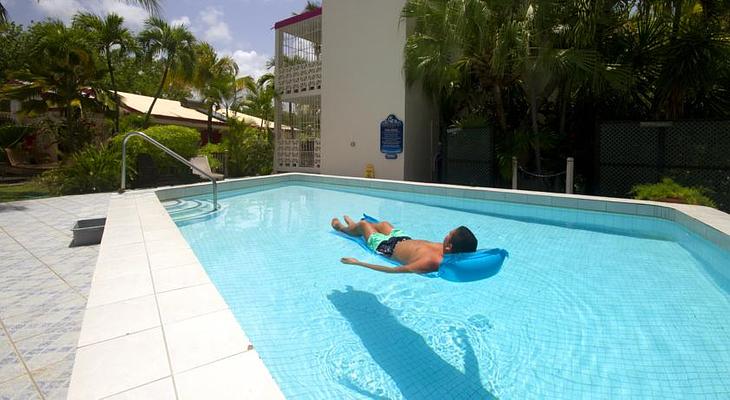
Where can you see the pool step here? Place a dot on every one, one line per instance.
(185, 211)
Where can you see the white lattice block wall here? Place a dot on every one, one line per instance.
(299, 78)
(298, 82)
(288, 152)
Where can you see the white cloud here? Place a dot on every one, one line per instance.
(214, 29)
(249, 62)
(134, 16)
(184, 20)
(61, 9)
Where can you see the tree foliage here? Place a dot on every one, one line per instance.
(174, 44)
(668, 190)
(250, 151)
(56, 75)
(81, 67)
(107, 35)
(546, 70)
(259, 100)
(214, 78)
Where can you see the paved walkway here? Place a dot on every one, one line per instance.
(44, 285)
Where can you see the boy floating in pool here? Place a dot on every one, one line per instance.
(417, 256)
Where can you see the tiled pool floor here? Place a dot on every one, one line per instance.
(44, 285)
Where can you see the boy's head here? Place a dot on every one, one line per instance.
(460, 240)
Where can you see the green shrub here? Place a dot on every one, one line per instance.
(183, 141)
(208, 150)
(129, 123)
(668, 190)
(91, 169)
(249, 151)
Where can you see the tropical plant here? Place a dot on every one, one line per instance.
(142, 75)
(259, 100)
(668, 190)
(107, 34)
(174, 44)
(249, 150)
(152, 6)
(558, 67)
(131, 122)
(95, 168)
(209, 150)
(14, 47)
(214, 78)
(61, 68)
(182, 140)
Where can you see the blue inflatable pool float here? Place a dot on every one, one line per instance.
(455, 267)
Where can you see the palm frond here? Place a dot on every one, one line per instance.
(152, 6)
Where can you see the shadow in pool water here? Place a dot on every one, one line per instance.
(403, 354)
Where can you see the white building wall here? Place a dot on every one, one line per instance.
(362, 83)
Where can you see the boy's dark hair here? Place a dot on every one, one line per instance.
(463, 241)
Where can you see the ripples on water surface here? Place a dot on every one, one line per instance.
(572, 314)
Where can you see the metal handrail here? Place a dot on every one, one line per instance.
(170, 153)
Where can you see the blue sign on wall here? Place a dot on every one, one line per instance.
(391, 136)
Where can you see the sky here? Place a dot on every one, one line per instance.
(239, 28)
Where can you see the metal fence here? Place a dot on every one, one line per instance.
(469, 157)
(222, 163)
(693, 153)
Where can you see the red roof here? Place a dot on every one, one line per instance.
(298, 18)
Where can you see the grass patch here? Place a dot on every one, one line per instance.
(22, 191)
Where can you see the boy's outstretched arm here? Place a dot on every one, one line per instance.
(419, 267)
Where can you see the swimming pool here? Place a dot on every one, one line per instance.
(589, 304)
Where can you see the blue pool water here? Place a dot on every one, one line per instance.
(628, 311)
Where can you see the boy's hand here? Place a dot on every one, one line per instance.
(349, 260)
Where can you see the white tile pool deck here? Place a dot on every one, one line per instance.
(156, 328)
(44, 285)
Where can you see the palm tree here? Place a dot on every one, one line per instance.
(214, 78)
(152, 6)
(62, 67)
(259, 99)
(3, 14)
(174, 44)
(457, 45)
(467, 52)
(695, 51)
(106, 35)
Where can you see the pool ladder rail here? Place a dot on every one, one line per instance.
(171, 154)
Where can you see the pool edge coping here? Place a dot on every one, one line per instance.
(145, 332)
(122, 232)
(709, 223)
